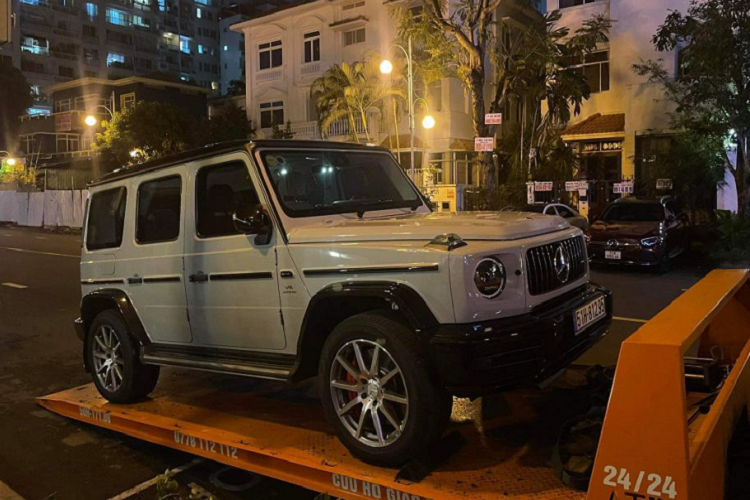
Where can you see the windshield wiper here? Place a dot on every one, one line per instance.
(361, 204)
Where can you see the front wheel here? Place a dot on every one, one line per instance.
(377, 390)
(117, 372)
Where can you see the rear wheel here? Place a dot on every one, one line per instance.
(377, 390)
(117, 372)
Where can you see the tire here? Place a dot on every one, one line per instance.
(136, 380)
(423, 416)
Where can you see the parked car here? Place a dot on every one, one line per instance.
(288, 260)
(572, 216)
(642, 232)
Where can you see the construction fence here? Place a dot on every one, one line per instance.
(45, 208)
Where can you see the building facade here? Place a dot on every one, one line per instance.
(56, 41)
(287, 49)
(627, 118)
(232, 47)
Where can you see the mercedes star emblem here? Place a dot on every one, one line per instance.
(562, 264)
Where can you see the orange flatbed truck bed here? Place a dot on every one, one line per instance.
(654, 444)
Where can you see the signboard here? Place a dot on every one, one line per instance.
(576, 186)
(543, 186)
(530, 193)
(493, 119)
(484, 143)
(623, 188)
(601, 146)
(663, 183)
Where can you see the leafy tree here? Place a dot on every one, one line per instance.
(457, 39)
(282, 133)
(15, 99)
(712, 88)
(236, 87)
(350, 91)
(152, 129)
(230, 124)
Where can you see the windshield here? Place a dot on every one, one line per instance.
(634, 212)
(314, 182)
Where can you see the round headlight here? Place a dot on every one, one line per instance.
(489, 277)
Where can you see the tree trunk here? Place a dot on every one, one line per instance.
(352, 126)
(741, 172)
(476, 87)
(364, 124)
(395, 128)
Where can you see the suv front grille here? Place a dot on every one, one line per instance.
(544, 276)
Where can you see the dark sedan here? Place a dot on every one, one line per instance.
(638, 232)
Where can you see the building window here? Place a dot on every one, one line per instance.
(199, 13)
(271, 113)
(90, 55)
(162, 5)
(159, 210)
(106, 219)
(184, 44)
(354, 37)
(312, 46)
(92, 10)
(34, 45)
(142, 22)
(201, 50)
(114, 59)
(204, 2)
(270, 55)
(353, 5)
(66, 72)
(142, 4)
(573, 3)
(595, 68)
(118, 17)
(89, 31)
(127, 100)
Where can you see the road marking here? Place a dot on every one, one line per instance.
(40, 237)
(630, 320)
(15, 285)
(151, 482)
(23, 250)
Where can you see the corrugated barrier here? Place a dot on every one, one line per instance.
(47, 208)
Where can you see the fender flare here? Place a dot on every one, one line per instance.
(113, 298)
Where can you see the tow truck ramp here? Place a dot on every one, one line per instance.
(658, 441)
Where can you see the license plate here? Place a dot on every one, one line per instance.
(590, 313)
(612, 254)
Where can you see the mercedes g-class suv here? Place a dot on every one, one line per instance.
(287, 260)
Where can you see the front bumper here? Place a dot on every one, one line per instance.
(633, 255)
(478, 358)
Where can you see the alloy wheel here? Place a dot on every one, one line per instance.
(369, 393)
(108, 359)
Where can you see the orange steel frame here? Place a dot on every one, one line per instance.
(647, 450)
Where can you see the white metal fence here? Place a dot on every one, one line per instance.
(46, 208)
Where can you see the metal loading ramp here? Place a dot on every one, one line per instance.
(658, 441)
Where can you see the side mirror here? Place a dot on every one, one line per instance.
(253, 219)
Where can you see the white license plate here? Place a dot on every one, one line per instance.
(612, 254)
(590, 313)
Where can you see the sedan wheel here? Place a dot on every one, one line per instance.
(369, 393)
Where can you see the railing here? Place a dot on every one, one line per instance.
(35, 49)
(342, 127)
(306, 130)
(269, 74)
(312, 68)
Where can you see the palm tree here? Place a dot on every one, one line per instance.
(350, 91)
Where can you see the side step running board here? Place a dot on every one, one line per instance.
(231, 367)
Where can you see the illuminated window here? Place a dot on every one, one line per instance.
(118, 17)
(92, 10)
(114, 59)
(184, 44)
(199, 13)
(127, 100)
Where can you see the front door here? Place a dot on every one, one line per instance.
(231, 282)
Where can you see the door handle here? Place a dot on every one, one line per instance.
(199, 277)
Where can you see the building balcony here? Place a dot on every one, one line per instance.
(306, 130)
(310, 69)
(342, 128)
(268, 75)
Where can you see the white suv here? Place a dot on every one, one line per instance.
(286, 260)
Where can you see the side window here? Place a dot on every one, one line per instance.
(159, 210)
(106, 219)
(564, 212)
(219, 191)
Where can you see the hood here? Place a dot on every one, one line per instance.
(415, 227)
(602, 230)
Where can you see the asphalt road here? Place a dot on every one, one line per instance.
(45, 456)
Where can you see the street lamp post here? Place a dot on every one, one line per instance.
(91, 120)
(386, 67)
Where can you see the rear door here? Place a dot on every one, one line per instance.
(151, 260)
(231, 282)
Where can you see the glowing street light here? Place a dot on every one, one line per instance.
(11, 162)
(91, 121)
(428, 122)
(386, 67)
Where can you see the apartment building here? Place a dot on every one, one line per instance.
(288, 48)
(627, 118)
(232, 47)
(56, 41)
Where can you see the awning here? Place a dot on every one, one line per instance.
(597, 126)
